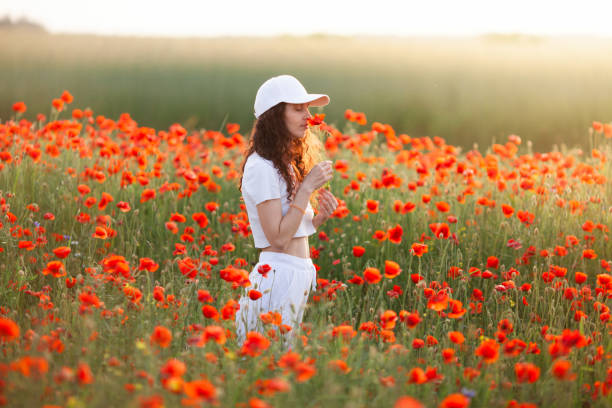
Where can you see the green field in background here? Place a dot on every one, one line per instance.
(470, 90)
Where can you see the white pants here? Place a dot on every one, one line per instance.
(285, 290)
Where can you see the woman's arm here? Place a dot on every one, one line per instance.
(317, 221)
(279, 231)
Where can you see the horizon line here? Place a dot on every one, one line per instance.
(492, 34)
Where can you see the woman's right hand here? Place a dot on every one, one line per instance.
(320, 174)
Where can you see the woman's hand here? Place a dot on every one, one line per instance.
(327, 203)
(319, 175)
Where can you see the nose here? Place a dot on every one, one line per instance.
(308, 115)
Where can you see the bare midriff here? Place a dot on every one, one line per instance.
(296, 247)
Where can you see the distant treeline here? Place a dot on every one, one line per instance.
(21, 24)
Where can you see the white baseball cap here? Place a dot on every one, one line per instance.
(284, 88)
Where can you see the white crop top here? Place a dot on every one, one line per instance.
(260, 182)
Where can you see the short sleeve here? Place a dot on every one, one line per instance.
(260, 182)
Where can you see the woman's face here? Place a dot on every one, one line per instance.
(296, 118)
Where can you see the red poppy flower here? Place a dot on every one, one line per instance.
(488, 350)
(439, 301)
(254, 294)
(55, 269)
(418, 249)
(201, 219)
(395, 234)
(148, 264)
(442, 206)
(492, 262)
(264, 269)
(456, 337)
(147, 194)
(211, 206)
(19, 107)
(254, 345)
(388, 319)
(176, 217)
(9, 330)
(84, 374)
(210, 312)
(407, 402)
(372, 275)
(358, 251)
(372, 206)
(561, 370)
(455, 401)
(161, 336)
(392, 269)
(410, 319)
(507, 210)
(440, 230)
(123, 206)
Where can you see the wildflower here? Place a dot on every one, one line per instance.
(200, 390)
(123, 206)
(9, 330)
(254, 344)
(492, 262)
(147, 194)
(84, 374)
(55, 269)
(339, 366)
(407, 402)
(210, 312)
(416, 376)
(440, 230)
(58, 104)
(456, 337)
(418, 249)
(346, 332)
(439, 301)
(507, 210)
(410, 319)
(254, 294)
(148, 264)
(455, 401)
(448, 354)
(211, 206)
(488, 350)
(215, 333)
(19, 107)
(526, 372)
(372, 275)
(388, 319)
(392, 269)
(358, 251)
(561, 370)
(62, 252)
(201, 219)
(161, 336)
(589, 254)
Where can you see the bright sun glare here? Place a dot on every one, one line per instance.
(356, 17)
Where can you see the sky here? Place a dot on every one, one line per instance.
(203, 18)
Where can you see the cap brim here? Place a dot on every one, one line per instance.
(312, 99)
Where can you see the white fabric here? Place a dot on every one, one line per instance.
(285, 290)
(260, 182)
(284, 88)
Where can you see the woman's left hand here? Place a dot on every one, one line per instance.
(327, 203)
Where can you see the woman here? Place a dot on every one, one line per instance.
(279, 175)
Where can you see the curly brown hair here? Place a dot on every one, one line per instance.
(270, 138)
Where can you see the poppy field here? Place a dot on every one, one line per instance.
(445, 278)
